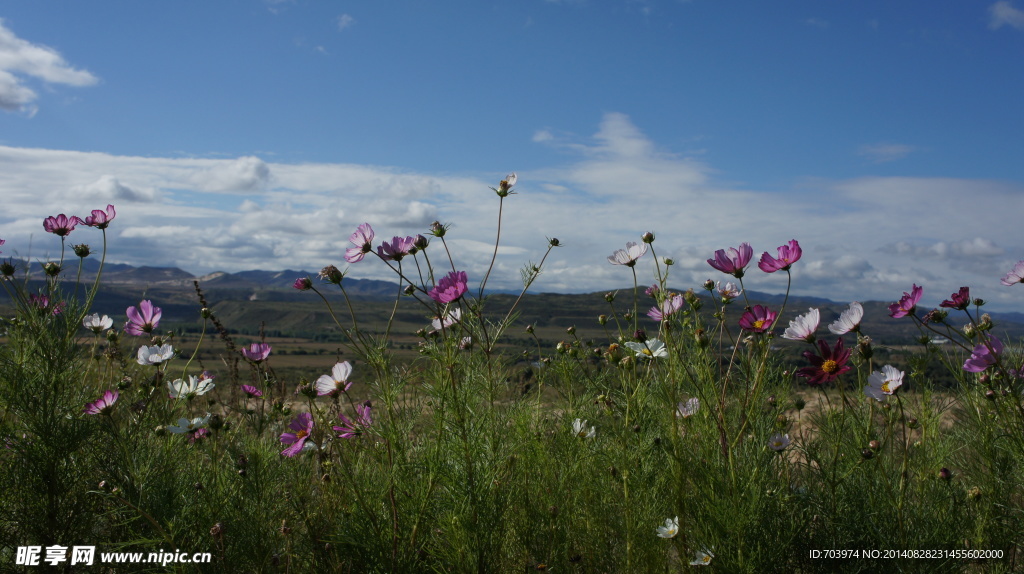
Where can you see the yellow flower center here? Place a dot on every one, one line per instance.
(301, 434)
(759, 324)
(829, 366)
(647, 352)
(886, 388)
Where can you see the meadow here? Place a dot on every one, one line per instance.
(449, 431)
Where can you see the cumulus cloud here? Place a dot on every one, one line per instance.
(243, 174)
(20, 58)
(345, 21)
(1004, 14)
(110, 189)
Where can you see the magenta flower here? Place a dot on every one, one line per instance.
(733, 260)
(1, 243)
(363, 241)
(61, 225)
(1016, 275)
(906, 305)
(826, 366)
(303, 427)
(257, 352)
(450, 287)
(629, 255)
(353, 429)
(959, 300)
(758, 319)
(103, 405)
(303, 284)
(668, 307)
(982, 357)
(251, 391)
(788, 255)
(101, 219)
(397, 249)
(143, 319)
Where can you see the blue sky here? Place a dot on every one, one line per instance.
(886, 137)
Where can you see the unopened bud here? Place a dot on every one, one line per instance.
(609, 297)
(553, 242)
(421, 242)
(437, 229)
(874, 445)
(82, 250)
(945, 473)
(979, 301)
(51, 268)
(602, 319)
(571, 330)
(647, 237)
(409, 290)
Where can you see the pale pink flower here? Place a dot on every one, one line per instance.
(803, 327)
(450, 318)
(398, 248)
(629, 255)
(354, 429)
(849, 320)
(672, 304)
(363, 241)
(257, 352)
(155, 355)
(728, 291)
(61, 225)
(142, 320)
(103, 405)
(982, 357)
(335, 383)
(1016, 275)
(884, 383)
(450, 287)
(100, 219)
(732, 261)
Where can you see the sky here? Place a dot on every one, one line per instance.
(886, 137)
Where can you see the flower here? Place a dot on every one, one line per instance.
(883, 383)
(732, 261)
(688, 409)
(728, 291)
(802, 328)
(959, 300)
(61, 225)
(788, 255)
(353, 429)
(1, 243)
(670, 529)
(363, 241)
(649, 349)
(257, 352)
(303, 284)
(193, 388)
(155, 355)
(702, 558)
(97, 323)
(778, 442)
(505, 185)
(335, 383)
(828, 366)
(397, 249)
(983, 356)
(142, 320)
(42, 302)
(906, 305)
(579, 428)
(189, 426)
(303, 426)
(450, 318)
(101, 219)
(849, 320)
(1016, 275)
(103, 405)
(629, 255)
(251, 391)
(668, 307)
(450, 287)
(758, 319)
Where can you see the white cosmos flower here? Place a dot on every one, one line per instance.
(803, 327)
(629, 255)
(882, 384)
(650, 349)
(579, 428)
(155, 355)
(336, 382)
(778, 442)
(848, 320)
(727, 291)
(702, 558)
(689, 408)
(450, 318)
(194, 387)
(97, 323)
(184, 425)
(670, 529)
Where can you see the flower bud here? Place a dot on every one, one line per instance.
(562, 347)
(799, 403)
(628, 316)
(867, 453)
(609, 297)
(974, 493)
(409, 290)
(874, 445)
(303, 284)
(669, 261)
(912, 423)
(205, 313)
(640, 335)
(945, 474)
(437, 229)
(571, 330)
(553, 242)
(990, 395)
(7, 269)
(332, 274)
(602, 319)
(709, 285)
(51, 268)
(421, 242)
(529, 329)
(647, 237)
(82, 250)
(979, 301)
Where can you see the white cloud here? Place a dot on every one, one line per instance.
(1003, 13)
(110, 189)
(345, 20)
(243, 174)
(886, 152)
(19, 58)
(816, 23)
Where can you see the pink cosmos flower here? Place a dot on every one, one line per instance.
(397, 249)
(803, 327)
(788, 255)
(450, 287)
(450, 318)
(353, 429)
(303, 283)
(257, 352)
(959, 300)
(1, 243)
(303, 427)
(103, 405)
(142, 320)
(727, 292)
(906, 305)
(629, 255)
(101, 219)
(668, 307)
(758, 319)
(251, 391)
(335, 383)
(61, 225)
(982, 357)
(733, 260)
(363, 241)
(827, 365)
(1016, 275)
